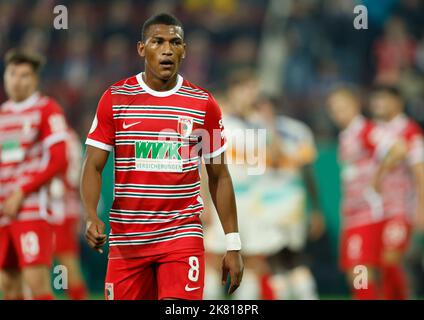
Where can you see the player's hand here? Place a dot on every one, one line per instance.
(94, 233)
(316, 225)
(232, 264)
(13, 203)
(376, 184)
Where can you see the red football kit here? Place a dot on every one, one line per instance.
(398, 187)
(158, 139)
(32, 152)
(361, 146)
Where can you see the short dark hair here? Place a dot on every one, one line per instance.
(161, 18)
(392, 90)
(19, 56)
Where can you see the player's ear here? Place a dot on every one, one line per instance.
(140, 49)
(184, 52)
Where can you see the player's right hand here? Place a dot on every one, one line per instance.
(94, 233)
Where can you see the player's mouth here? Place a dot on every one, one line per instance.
(168, 63)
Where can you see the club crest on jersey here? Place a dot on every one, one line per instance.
(185, 126)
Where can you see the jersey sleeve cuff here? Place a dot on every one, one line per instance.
(98, 144)
(54, 138)
(216, 152)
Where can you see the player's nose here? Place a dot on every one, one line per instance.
(167, 51)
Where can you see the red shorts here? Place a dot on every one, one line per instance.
(179, 274)
(395, 233)
(360, 246)
(26, 243)
(66, 236)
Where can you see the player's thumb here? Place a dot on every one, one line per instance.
(100, 228)
(224, 274)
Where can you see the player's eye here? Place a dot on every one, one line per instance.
(177, 42)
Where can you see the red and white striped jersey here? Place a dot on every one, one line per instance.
(158, 138)
(398, 187)
(27, 130)
(64, 189)
(361, 145)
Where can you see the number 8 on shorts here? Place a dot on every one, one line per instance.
(193, 272)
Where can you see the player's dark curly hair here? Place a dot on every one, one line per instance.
(161, 18)
(19, 56)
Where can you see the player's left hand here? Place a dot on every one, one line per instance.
(13, 203)
(232, 264)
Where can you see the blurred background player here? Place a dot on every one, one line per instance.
(32, 152)
(363, 152)
(402, 190)
(281, 202)
(67, 210)
(272, 203)
(236, 105)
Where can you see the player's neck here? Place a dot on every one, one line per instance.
(357, 118)
(158, 84)
(22, 99)
(392, 116)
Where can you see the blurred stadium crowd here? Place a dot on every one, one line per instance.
(292, 50)
(322, 48)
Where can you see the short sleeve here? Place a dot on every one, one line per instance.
(102, 131)
(213, 141)
(53, 126)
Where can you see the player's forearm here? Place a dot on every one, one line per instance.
(395, 155)
(55, 166)
(91, 184)
(421, 199)
(222, 193)
(418, 171)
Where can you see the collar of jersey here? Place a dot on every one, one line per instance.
(25, 104)
(159, 93)
(398, 122)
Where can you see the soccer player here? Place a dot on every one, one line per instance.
(365, 153)
(159, 125)
(32, 152)
(66, 206)
(282, 191)
(402, 189)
